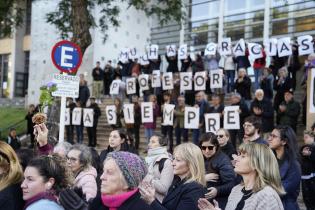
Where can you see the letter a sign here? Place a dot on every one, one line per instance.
(67, 57)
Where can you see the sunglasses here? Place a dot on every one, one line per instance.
(220, 136)
(205, 147)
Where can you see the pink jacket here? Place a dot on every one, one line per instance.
(86, 180)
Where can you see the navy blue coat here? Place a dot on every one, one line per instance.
(290, 177)
(133, 203)
(181, 196)
(220, 164)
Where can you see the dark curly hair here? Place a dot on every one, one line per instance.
(53, 166)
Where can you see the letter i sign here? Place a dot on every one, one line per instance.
(67, 57)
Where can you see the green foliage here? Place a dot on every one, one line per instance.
(10, 16)
(46, 98)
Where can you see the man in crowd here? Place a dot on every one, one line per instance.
(84, 92)
(263, 109)
(252, 128)
(237, 100)
(202, 103)
(289, 110)
(216, 107)
(108, 77)
(98, 77)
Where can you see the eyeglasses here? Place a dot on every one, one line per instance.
(273, 136)
(220, 136)
(247, 125)
(205, 147)
(71, 159)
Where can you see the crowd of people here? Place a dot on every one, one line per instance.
(261, 174)
(259, 166)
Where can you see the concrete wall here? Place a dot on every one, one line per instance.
(134, 29)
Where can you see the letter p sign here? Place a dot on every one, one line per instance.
(66, 56)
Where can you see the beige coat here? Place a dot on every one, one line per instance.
(161, 181)
(267, 198)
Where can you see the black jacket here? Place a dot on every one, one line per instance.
(84, 95)
(181, 196)
(172, 64)
(133, 203)
(99, 76)
(281, 87)
(229, 150)
(266, 115)
(221, 165)
(11, 198)
(243, 88)
(308, 162)
(126, 68)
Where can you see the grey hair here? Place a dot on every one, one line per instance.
(62, 146)
(285, 69)
(85, 156)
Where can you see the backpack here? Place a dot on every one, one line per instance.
(161, 164)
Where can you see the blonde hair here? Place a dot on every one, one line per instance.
(264, 162)
(226, 132)
(10, 163)
(193, 156)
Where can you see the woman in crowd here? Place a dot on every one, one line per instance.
(11, 176)
(282, 141)
(188, 184)
(220, 175)
(117, 142)
(160, 171)
(79, 161)
(243, 86)
(282, 84)
(44, 178)
(307, 152)
(266, 83)
(123, 172)
(261, 184)
(226, 145)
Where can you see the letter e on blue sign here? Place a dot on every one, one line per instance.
(66, 56)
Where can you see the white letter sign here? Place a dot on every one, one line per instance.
(212, 122)
(231, 117)
(88, 117)
(129, 113)
(168, 114)
(167, 81)
(191, 119)
(216, 78)
(111, 114)
(147, 112)
(185, 81)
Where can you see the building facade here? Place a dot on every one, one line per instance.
(254, 20)
(26, 56)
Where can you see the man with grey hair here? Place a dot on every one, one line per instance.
(262, 108)
(237, 100)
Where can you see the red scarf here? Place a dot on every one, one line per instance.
(113, 202)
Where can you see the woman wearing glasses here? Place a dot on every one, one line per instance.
(79, 161)
(220, 175)
(282, 141)
(261, 185)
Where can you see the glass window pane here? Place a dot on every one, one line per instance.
(231, 5)
(199, 9)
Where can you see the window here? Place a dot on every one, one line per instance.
(28, 18)
(4, 68)
(231, 5)
(199, 9)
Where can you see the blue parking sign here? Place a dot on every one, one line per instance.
(66, 56)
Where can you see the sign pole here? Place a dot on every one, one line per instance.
(67, 57)
(62, 118)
